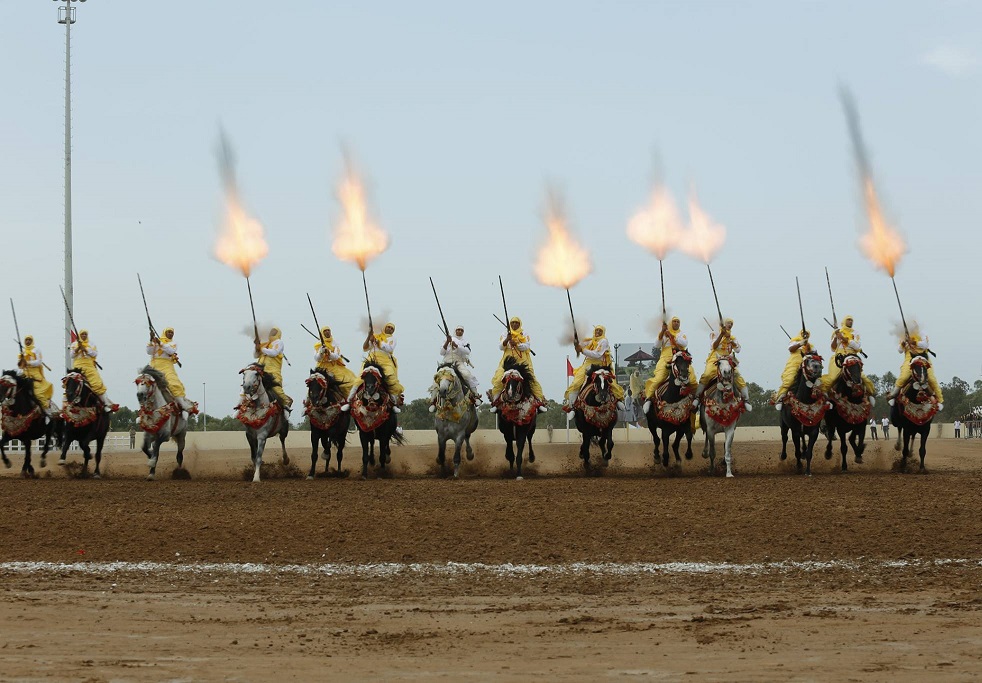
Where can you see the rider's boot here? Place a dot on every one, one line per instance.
(778, 400)
(891, 395)
(432, 407)
(746, 399)
(346, 406)
(108, 405)
(699, 389)
(491, 400)
(647, 405)
(190, 407)
(395, 403)
(52, 411)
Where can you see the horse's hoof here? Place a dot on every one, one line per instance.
(151, 477)
(309, 477)
(62, 461)
(6, 463)
(531, 457)
(859, 460)
(518, 478)
(470, 456)
(96, 475)
(828, 456)
(729, 475)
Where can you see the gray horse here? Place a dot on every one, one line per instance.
(719, 412)
(161, 418)
(455, 415)
(262, 416)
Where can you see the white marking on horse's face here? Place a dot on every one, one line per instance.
(250, 382)
(444, 385)
(725, 370)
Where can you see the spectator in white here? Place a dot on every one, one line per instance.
(885, 424)
(958, 429)
(872, 428)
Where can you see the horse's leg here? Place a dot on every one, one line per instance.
(520, 448)
(809, 441)
(86, 456)
(923, 449)
(284, 430)
(100, 440)
(509, 451)
(180, 439)
(339, 443)
(529, 431)
(27, 469)
(456, 455)
(728, 453)
(688, 442)
(585, 449)
(784, 439)
(66, 441)
(679, 433)
(314, 440)
(830, 434)
(858, 441)
(154, 456)
(47, 442)
(366, 439)
(610, 446)
(3, 451)
(843, 447)
(797, 441)
(665, 439)
(441, 453)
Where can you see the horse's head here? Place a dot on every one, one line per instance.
(681, 361)
(724, 371)
(145, 386)
(252, 381)
(811, 367)
(852, 370)
(514, 386)
(447, 382)
(601, 378)
(317, 387)
(371, 378)
(8, 388)
(75, 387)
(918, 369)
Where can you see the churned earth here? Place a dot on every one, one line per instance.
(628, 571)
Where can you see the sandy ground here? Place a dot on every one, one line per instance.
(628, 572)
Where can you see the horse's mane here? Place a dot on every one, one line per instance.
(523, 369)
(594, 368)
(22, 381)
(158, 377)
(456, 371)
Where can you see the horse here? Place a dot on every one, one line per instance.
(24, 419)
(595, 413)
(518, 410)
(328, 423)
(86, 420)
(262, 416)
(372, 409)
(670, 410)
(913, 410)
(160, 418)
(719, 411)
(803, 410)
(455, 418)
(852, 408)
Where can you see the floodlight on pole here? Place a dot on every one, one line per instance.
(66, 16)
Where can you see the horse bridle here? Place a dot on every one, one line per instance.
(9, 383)
(676, 373)
(510, 377)
(149, 382)
(810, 381)
(79, 381)
(450, 374)
(258, 369)
(321, 381)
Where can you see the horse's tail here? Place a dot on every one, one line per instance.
(399, 438)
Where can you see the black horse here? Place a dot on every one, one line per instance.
(328, 423)
(595, 413)
(670, 410)
(24, 419)
(802, 412)
(914, 410)
(518, 410)
(86, 421)
(851, 408)
(373, 411)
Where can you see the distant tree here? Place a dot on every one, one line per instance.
(122, 420)
(416, 415)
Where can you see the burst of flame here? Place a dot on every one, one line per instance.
(240, 244)
(705, 237)
(356, 237)
(657, 227)
(562, 261)
(882, 245)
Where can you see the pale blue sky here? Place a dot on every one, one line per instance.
(459, 116)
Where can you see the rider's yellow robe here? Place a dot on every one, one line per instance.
(922, 347)
(328, 358)
(515, 345)
(596, 352)
(381, 351)
(83, 359)
(270, 357)
(728, 346)
(849, 345)
(33, 367)
(671, 342)
(163, 359)
(793, 363)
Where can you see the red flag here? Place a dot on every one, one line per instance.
(71, 335)
(569, 368)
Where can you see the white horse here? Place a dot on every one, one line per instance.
(161, 419)
(262, 416)
(720, 410)
(455, 416)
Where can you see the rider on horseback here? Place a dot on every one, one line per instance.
(798, 347)
(84, 355)
(596, 353)
(456, 352)
(330, 359)
(913, 346)
(515, 344)
(845, 342)
(724, 344)
(32, 366)
(381, 349)
(163, 358)
(270, 356)
(671, 339)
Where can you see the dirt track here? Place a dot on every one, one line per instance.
(881, 606)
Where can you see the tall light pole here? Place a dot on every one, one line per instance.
(66, 16)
